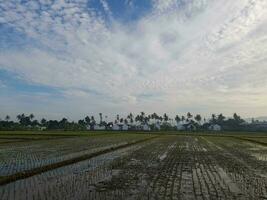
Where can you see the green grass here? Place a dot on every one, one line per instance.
(92, 133)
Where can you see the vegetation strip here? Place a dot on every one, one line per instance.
(250, 140)
(28, 173)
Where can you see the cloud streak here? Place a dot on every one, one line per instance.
(181, 54)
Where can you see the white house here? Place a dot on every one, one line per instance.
(145, 127)
(125, 127)
(116, 127)
(180, 127)
(190, 127)
(42, 128)
(215, 127)
(99, 128)
(157, 126)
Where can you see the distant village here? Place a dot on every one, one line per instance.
(140, 122)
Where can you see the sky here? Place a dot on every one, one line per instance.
(80, 57)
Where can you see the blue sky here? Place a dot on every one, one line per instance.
(78, 57)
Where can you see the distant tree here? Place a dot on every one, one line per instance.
(146, 119)
(7, 118)
(220, 119)
(125, 121)
(177, 119)
(165, 117)
(238, 119)
(183, 118)
(213, 119)
(31, 116)
(142, 117)
(43, 122)
(81, 122)
(92, 121)
(24, 120)
(19, 117)
(198, 118)
(189, 116)
(101, 119)
(64, 120)
(35, 123)
(137, 118)
(130, 117)
(87, 120)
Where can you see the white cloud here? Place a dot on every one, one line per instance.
(188, 54)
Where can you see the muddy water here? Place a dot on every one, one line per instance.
(171, 167)
(68, 182)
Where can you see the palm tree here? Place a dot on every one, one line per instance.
(7, 118)
(142, 117)
(87, 119)
(130, 117)
(43, 122)
(126, 121)
(165, 117)
(31, 116)
(221, 119)
(198, 118)
(189, 116)
(237, 119)
(213, 118)
(100, 116)
(177, 119)
(92, 120)
(19, 117)
(183, 118)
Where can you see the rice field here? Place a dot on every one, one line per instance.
(133, 166)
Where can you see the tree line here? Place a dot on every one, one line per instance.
(28, 122)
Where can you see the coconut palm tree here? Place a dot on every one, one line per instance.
(177, 119)
(213, 118)
(101, 119)
(92, 120)
(198, 118)
(87, 119)
(7, 118)
(220, 119)
(31, 116)
(165, 117)
(189, 116)
(43, 121)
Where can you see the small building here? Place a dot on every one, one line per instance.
(190, 127)
(215, 127)
(116, 127)
(180, 127)
(43, 128)
(125, 127)
(146, 127)
(99, 127)
(157, 126)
